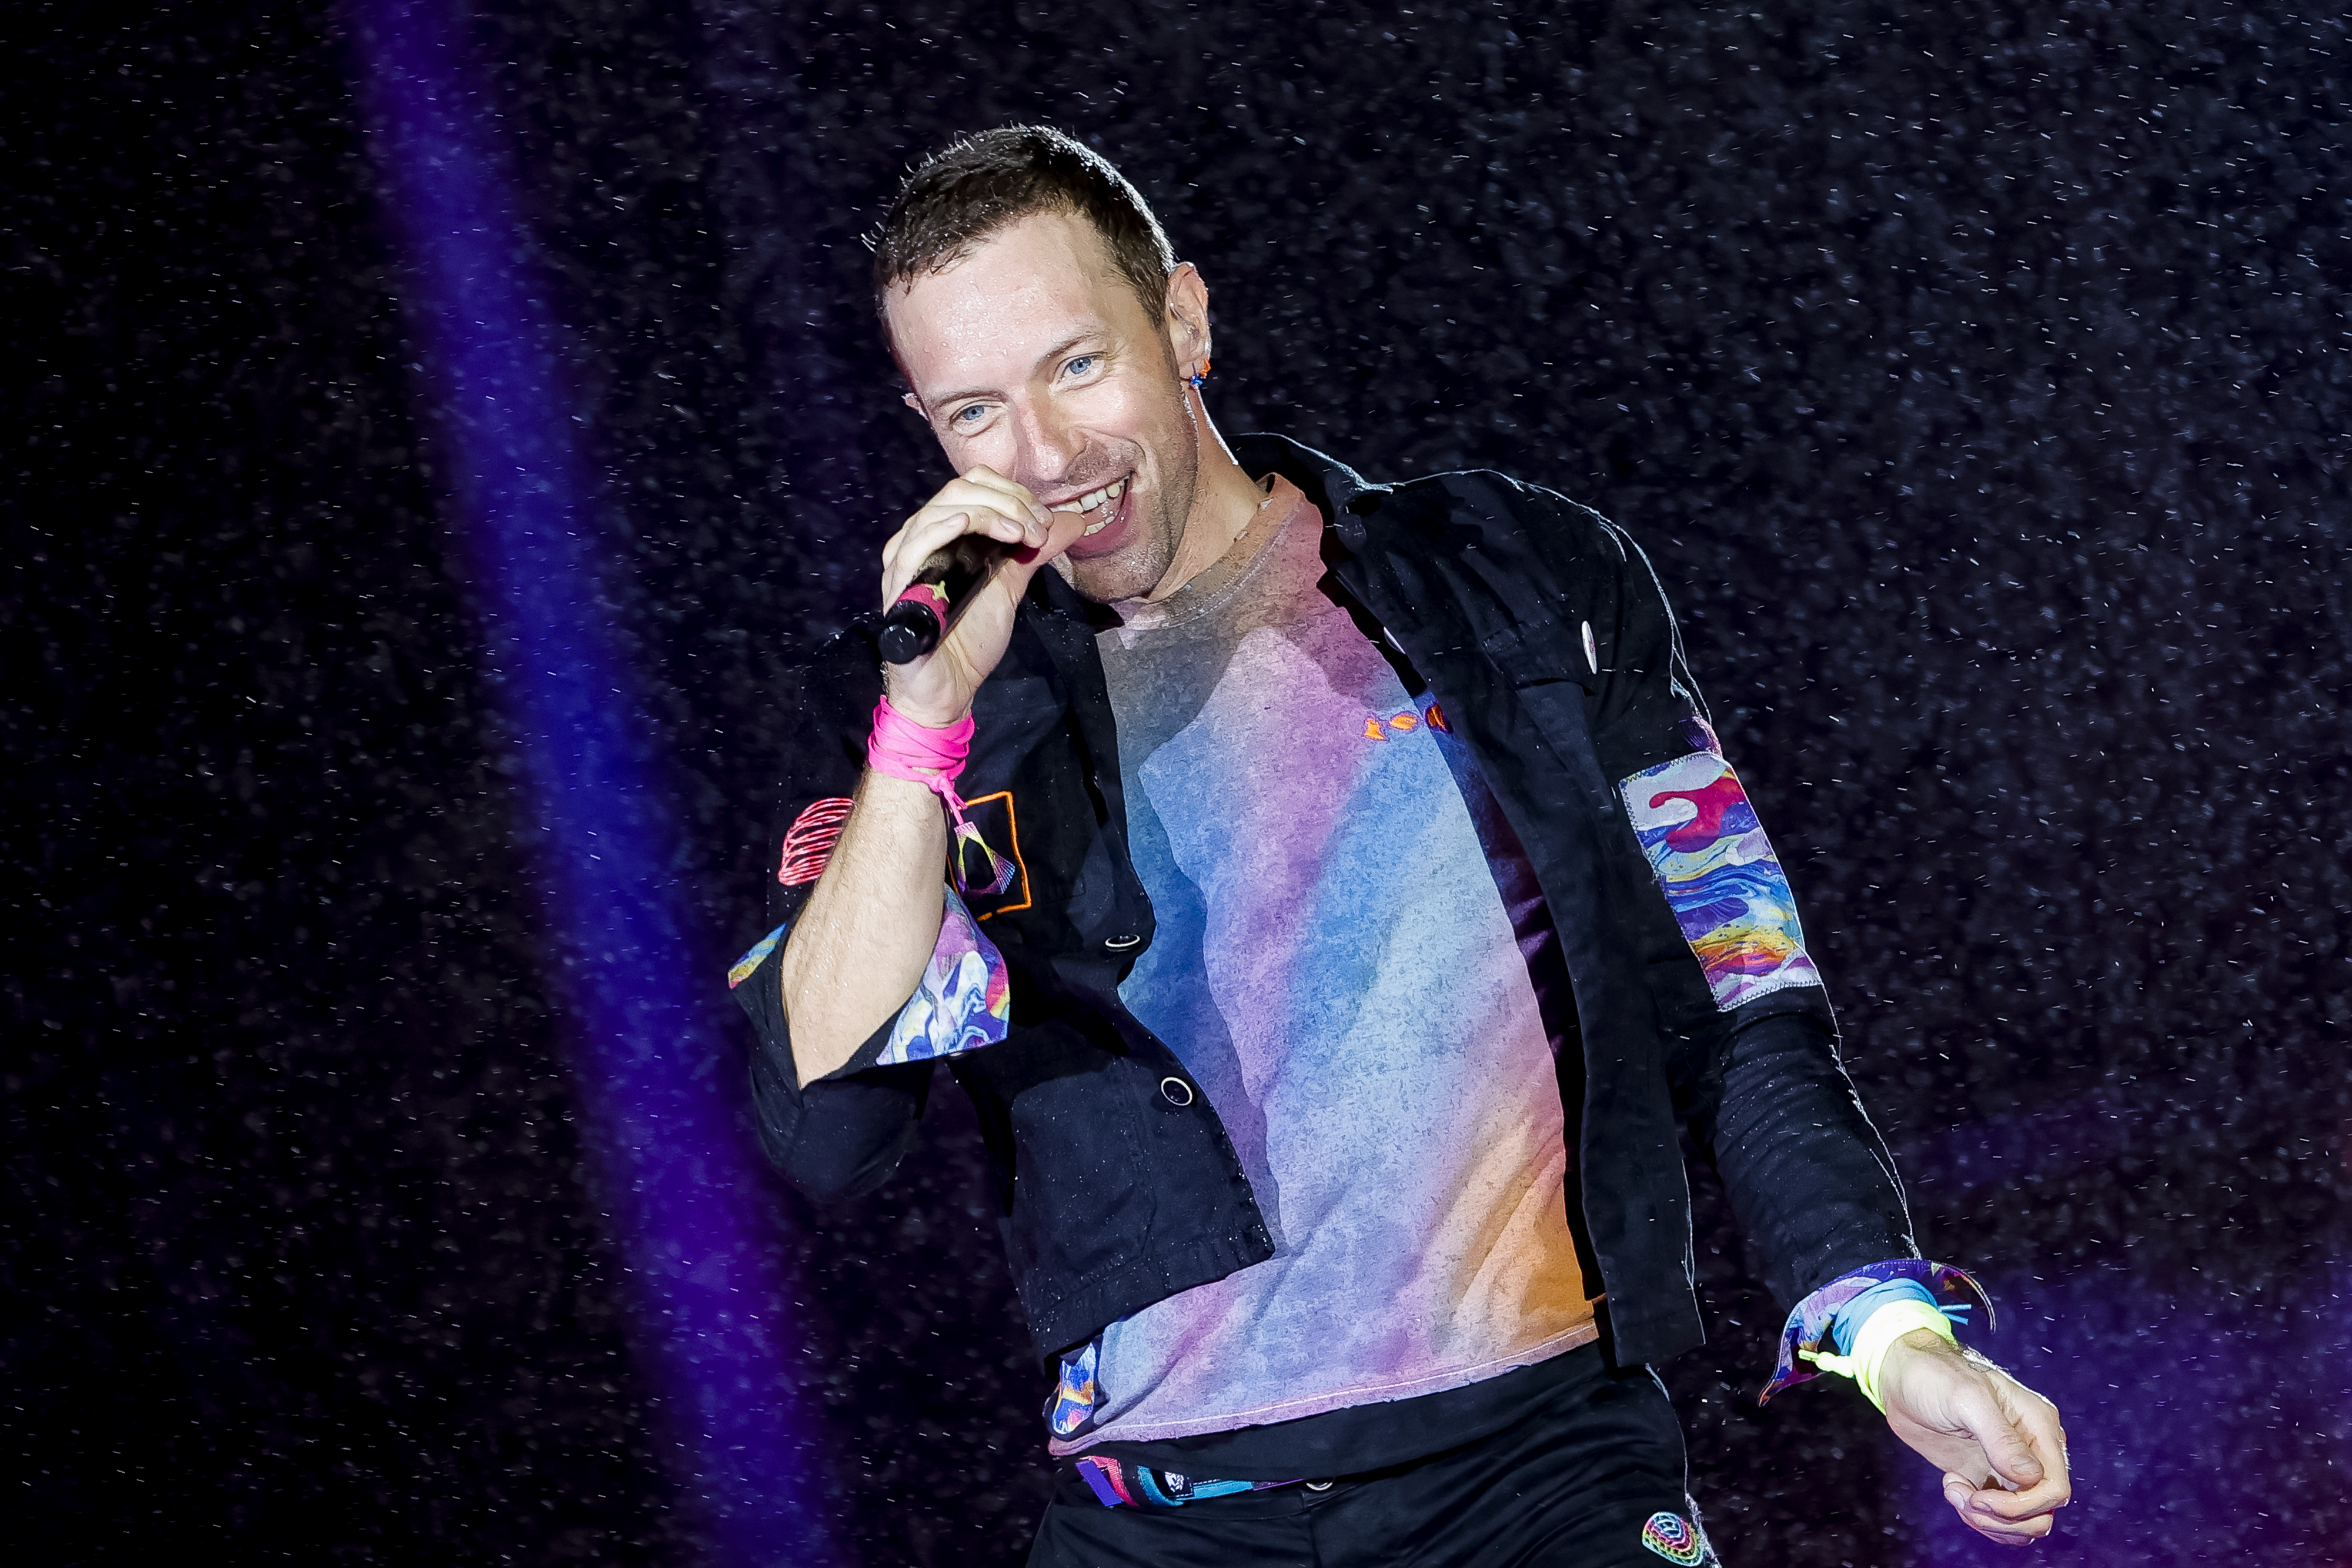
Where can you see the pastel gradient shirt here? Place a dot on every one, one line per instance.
(1336, 966)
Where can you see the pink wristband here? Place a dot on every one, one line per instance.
(919, 754)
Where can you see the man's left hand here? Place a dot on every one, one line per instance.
(2001, 1447)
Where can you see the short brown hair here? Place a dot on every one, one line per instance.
(971, 188)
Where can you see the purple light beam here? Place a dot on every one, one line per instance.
(663, 1137)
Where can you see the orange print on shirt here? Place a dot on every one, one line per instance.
(1405, 723)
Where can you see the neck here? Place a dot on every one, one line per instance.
(1224, 499)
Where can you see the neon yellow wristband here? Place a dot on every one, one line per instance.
(1879, 1333)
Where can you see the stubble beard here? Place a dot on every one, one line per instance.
(1132, 574)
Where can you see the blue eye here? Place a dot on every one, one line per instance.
(1080, 365)
(968, 414)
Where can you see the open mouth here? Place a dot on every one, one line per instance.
(1104, 500)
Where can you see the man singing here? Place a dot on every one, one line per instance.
(1331, 893)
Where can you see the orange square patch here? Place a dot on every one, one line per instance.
(989, 871)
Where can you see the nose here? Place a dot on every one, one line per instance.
(1049, 449)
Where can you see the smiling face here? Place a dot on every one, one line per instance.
(1031, 355)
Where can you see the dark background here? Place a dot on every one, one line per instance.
(1977, 376)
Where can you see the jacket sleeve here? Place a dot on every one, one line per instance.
(844, 1133)
(1753, 1049)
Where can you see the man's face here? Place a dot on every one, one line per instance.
(1033, 356)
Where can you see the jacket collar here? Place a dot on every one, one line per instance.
(1337, 490)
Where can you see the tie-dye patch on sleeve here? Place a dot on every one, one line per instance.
(964, 999)
(754, 958)
(1720, 877)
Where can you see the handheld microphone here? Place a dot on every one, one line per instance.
(944, 587)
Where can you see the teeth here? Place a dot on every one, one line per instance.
(1093, 498)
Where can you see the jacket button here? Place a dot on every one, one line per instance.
(1120, 943)
(1175, 1091)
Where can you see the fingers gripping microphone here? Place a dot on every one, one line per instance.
(944, 587)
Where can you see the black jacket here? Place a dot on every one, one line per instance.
(1115, 1194)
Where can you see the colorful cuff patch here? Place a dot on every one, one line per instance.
(1720, 877)
(1956, 1292)
(964, 1000)
(1677, 1540)
(743, 966)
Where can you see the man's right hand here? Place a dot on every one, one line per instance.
(936, 689)
(871, 921)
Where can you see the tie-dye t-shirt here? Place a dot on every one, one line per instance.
(1337, 969)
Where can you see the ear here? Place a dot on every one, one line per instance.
(911, 401)
(1188, 318)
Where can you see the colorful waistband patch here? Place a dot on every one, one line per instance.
(743, 966)
(1106, 1479)
(809, 843)
(1720, 877)
(1118, 1485)
(1677, 1540)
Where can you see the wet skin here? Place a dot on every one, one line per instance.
(1045, 379)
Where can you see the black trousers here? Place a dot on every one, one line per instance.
(1581, 1483)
